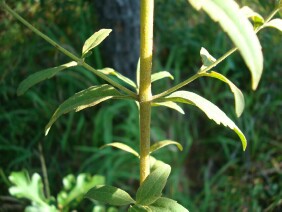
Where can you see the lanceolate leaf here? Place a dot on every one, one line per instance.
(164, 143)
(275, 23)
(110, 71)
(42, 75)
(151, 188)
(169, 104)
(94, 40)
(123, 147)
(161, 75)
(239, 29)
(167, 205)
(84, 99)
(211, 110)
(109, 195)
(238, 95)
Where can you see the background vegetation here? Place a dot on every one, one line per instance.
(211, 174)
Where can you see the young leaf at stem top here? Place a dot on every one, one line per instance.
(239, 29)
(109, 195)
(151, 188)
(94, 41)
(42, 75)
(84, 99)
(211, 110)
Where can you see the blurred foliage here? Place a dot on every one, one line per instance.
(211, 174)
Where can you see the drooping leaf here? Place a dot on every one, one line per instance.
(211, 110)
(167, 205)
(275, 23)
(41, 76)
(238, 95)
(255, 17)
(123, 147)
(161, 75)
(84, 99)
(95, 40)
(239, 29)
(151, 188)
(164, 143)
(168, 104)
(109, 195)
(110, 71)
(31, 189)
(207, 59)
(75, 189)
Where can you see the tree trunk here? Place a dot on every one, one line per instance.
(121, 50)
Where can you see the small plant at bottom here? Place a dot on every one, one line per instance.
(154, 173)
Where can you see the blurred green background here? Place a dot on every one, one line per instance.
(211, 174)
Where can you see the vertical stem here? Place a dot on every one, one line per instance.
(145, 95)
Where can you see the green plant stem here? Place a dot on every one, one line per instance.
(68, 53)
(145, 94)
(44, 171)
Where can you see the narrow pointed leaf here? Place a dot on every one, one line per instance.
(169, 104)
(255, 17)
(239, 29)
(238, 95)
(110, 71)
(167, 205)
(151, 188)
(207, 59)
(275, 23)
(211, 110)
(109, 195)
(161, 75)
(164, 143)
(94, 40)
(41, 76)
(123, 147)
(84, 99)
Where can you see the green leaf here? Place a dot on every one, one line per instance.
(75, 189)
(155, 164)
(95, 40)
(151, 188)
(275, 23)
(84, 99)
(42, 75)
(238, 95)
(161, 75)
(123, 147)
(110, 71)
(167, 205)
(169, 104)
(211, 110)
(139, 208)
(207, 59)
(164, 143)
(255, 17)
(239, 29)
(109, 195)
(31, 189)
